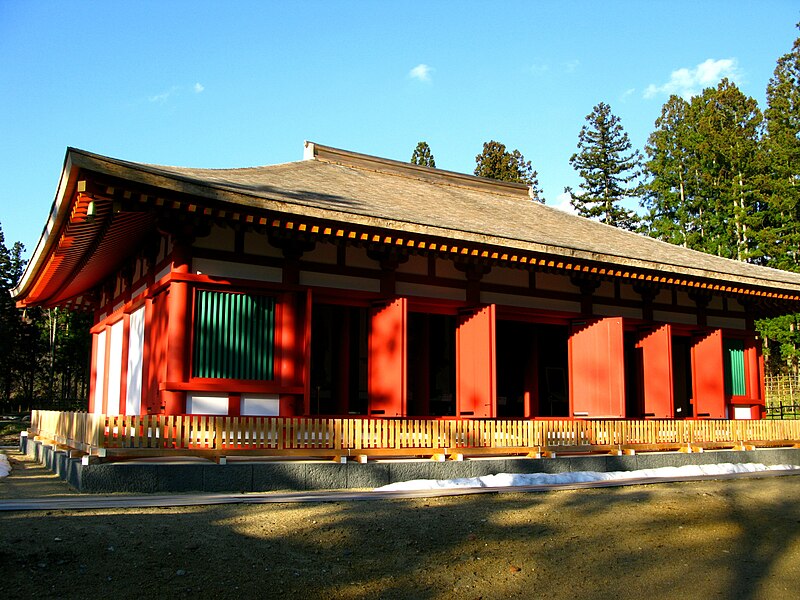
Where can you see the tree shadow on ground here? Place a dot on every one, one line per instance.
(716, 539)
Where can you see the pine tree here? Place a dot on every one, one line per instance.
(669, 194)
(495, 162)
(727, 128)
(422, 156)
(11, 325)
(780, 235)
(608, 167)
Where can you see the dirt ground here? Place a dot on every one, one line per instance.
(711, 539)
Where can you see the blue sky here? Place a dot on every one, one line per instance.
(235, 84)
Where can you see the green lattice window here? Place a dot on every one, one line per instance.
(734, 368)
(233, 336)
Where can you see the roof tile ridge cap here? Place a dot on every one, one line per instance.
(135, 164)
(398, 168)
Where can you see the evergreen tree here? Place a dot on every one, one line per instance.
(779, 236)
(608, 167)
(704, 169)
(495, 162)
(11, 325)
(669, 194)
(422, 156)
(727, 129)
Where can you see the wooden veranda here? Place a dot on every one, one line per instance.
(362, 438)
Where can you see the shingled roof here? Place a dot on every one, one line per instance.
(361, 190)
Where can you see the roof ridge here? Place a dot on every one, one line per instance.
(314, 151)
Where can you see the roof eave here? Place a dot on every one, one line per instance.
(59, 213)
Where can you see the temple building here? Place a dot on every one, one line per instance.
(346, 284)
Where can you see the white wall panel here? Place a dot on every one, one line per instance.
(100, 371)
(115, 367)
(262, 405)
(206, 404)
(133, 396)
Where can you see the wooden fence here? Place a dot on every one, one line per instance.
(286, 436)
(783, 410)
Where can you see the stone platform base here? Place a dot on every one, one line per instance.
(270, 474)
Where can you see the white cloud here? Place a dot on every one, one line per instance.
(572, 65)
(687, 82)
(164, 96)
(563, 203)
(539, 68)
(422, 72)
(198, 87)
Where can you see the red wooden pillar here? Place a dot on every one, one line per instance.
(656, 346)
(597, 369)
(476, 369)
(387, 359)
(153, 352)
(291, 340)
(752, 360)
(178, 333)
(753, 368)
(708, 376)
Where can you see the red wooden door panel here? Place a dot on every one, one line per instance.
(656, 345)
(476, 390)
(708, 376)
(387, 359)
(597, 369)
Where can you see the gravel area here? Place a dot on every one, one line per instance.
(705, 539)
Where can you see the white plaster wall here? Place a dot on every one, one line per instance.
(339, 281)
(133, 395)
(447, 268)
(322, 253)
(726, 323)
(605, 310)
(262, 405)
(418, 265)
(500, 276)
(742, 412)
(258, 244)
(626, 292)
(100, 371)
(606, 289)
(115, 367)
(357, 257)
(220, 268)
(684, 300)
(430, 291)
(555, 283)
(163, 273)
(672, 317)
(220, 238)
(530, 302)
(206, 404)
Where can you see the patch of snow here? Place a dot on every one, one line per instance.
(520, 479)
(5, 466)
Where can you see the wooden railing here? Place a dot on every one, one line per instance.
(152, 435)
